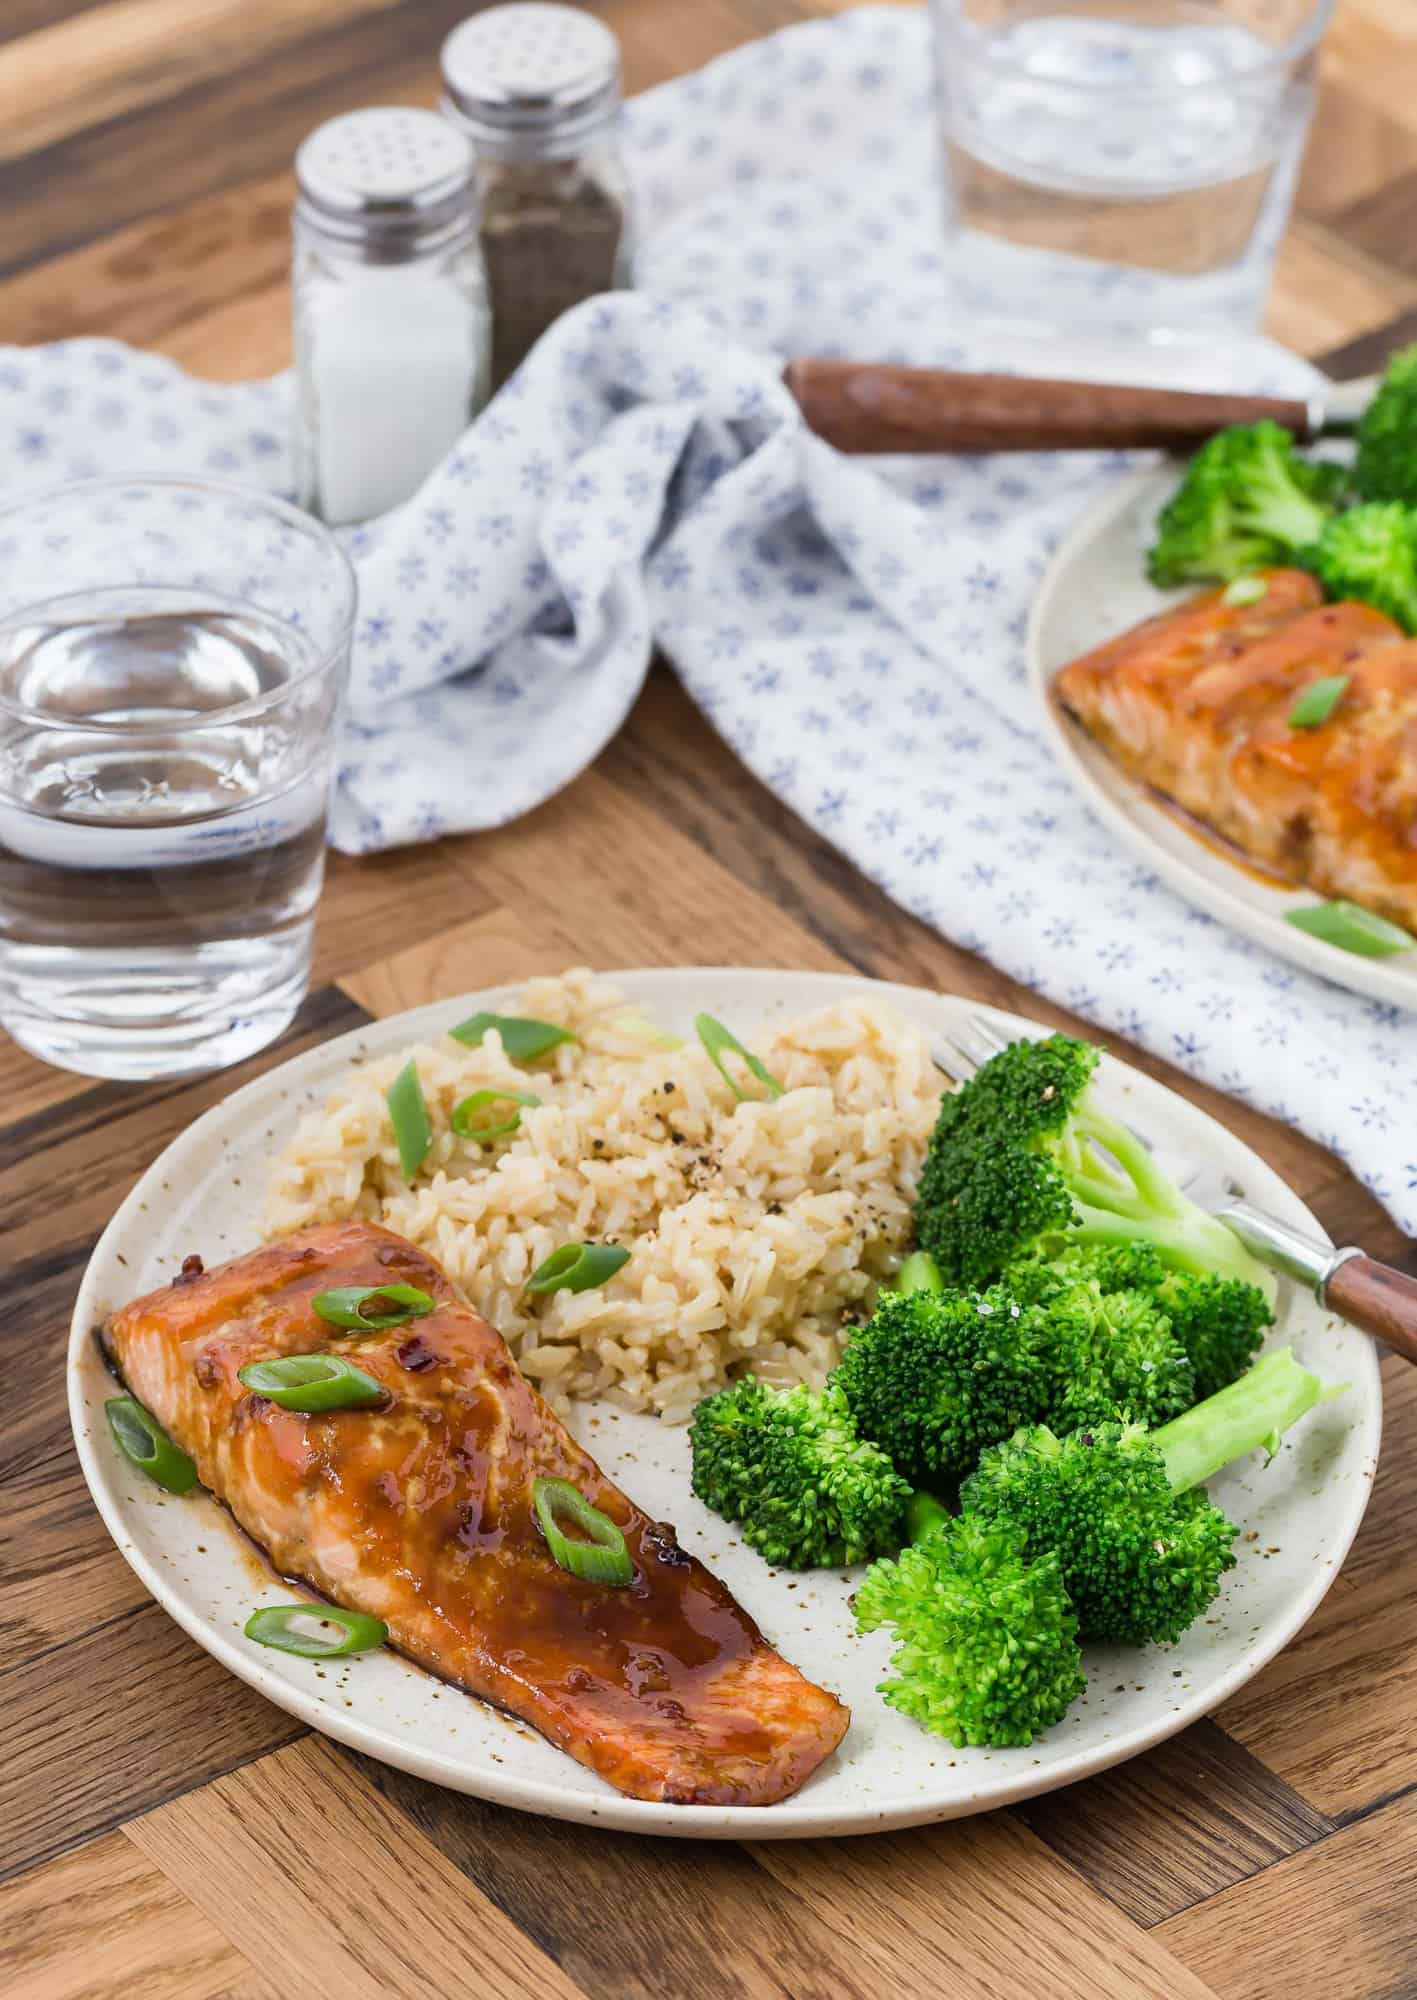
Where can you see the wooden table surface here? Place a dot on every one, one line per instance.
(163, 1831)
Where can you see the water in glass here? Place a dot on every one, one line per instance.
(1125, 167)
(158, 870)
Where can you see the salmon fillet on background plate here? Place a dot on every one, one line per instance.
(1196, 703)
(419, 1512)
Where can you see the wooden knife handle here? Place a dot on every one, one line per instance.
(867, 407)
(1378, 1298)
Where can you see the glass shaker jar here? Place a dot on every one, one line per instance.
(392, 334)
(536, 87)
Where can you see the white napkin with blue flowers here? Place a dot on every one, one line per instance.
(854, 630)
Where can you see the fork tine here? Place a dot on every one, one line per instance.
(956, 1062)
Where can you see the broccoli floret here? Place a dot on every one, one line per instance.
(1109, 1344)
(1370, 553)
(1246, 500)
(986, 1642)
(1015, 1159)
(934, 1377)
(1219, 1321)
(1386, 465)
(1141, 1552)
(1219, 1324)
(789, 1467)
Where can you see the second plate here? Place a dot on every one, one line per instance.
(1095, 587)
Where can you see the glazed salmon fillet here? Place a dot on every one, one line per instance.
(419, 1511)
(1196, 704)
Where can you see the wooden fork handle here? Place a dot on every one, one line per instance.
(867, 407)
(1378, 1298)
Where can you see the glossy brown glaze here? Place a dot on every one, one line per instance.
(1196, 703)
(420, 1512)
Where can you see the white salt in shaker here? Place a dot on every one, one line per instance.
(392, 332)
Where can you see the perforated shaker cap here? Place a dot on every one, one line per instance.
(533, 80)
(391, 179)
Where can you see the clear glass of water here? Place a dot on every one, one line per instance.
(172, 655)
(1122, 167)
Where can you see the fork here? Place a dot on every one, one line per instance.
(1377, 1297)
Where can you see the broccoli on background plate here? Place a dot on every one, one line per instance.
(1370, 553)
(1246, 501)
(1386, 464)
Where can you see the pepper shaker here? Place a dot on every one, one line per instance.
(536, 88)
(392, 331)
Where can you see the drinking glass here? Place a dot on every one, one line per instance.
(1122, 167)
(172, 654)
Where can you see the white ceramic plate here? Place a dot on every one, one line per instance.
(1095, 587)
(204, 1194)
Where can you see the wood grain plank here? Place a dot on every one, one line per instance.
(976, 1907)
(1354, 150)
(1381, 224)
(59, 1573)
(700, 1918)
(104, 1922)
(1335, 1716)
(1176, 1826)
(624, 887)
(1327, 290)
(1338, 1919)
(67, 193)
(115, 1723)
(491, 950)
(1371, 53)
(95, 66)
(402, 1924)
(95, 1144)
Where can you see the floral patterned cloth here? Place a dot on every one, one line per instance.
(855, 630)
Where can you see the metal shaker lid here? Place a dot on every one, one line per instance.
(531, 80)
(391, 175)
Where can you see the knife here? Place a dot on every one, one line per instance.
(865, 406)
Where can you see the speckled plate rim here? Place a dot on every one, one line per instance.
(800, 1817)
(1246, 903)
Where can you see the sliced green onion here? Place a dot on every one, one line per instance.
(409, 1111)
(578, 1267)
(523, 1040)
(345, 1306)
(1245, 590)
(141, 1437)
(468, 1125)
(1351, 929)
(287, 1628)
(603, 1557)
(716, 1039)
(635, 1028)
(312, 1382)
(1318, 701)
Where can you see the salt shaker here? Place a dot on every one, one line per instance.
(392, 332)
(536, 87)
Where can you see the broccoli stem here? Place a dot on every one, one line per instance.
(923, 1513)
(919, 1273)
(1156, 1189)
(1195, 1242)
(1251, 1415)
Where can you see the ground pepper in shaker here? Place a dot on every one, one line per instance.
(536, 87)
(392, 333)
